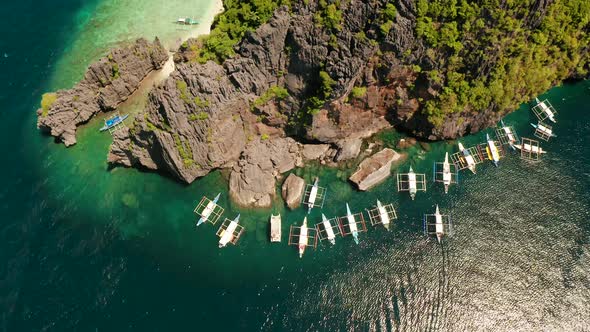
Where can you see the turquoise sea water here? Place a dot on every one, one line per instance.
(85, 247)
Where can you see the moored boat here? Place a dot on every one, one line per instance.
(303, 240)
(530, 148)
(468, 158)
(546, 109)
(228, 234)
(275, 228)
(313, 195)
(187, 21)
(208, 210)
(511, 138)
(352, 224)
(383, 215)
(439, 226)
(546, 131)
(114, 121)
(447, 175)
(412, 183)
(492, 150)
(329, 231)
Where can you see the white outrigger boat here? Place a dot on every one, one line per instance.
(313, 195)
(352, 224)
(530, 148)
(447, 175)
(383, 215)
(303, 240)
(412, 183)
(544, 131)
(445, 172)
(329, 231)
(208, 210)
(510, 136)
(546, 109)
(492, 150)
(227, 235)
(186, 21)
(468, 158)
(439, 225)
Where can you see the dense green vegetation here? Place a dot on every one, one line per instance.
(479, 53)
(485, 54)
(183, 88)
(229, 27)
(46, 101)
(199, 116)
(329, 15)
(185, 151)
(358, 92)
(326, 84)
(200, 103)
(273, 93)
(313, 104)
(387, 17)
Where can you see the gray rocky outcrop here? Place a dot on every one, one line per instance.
(292, 191)
(315, 151)
(201, 117)
(208, 116)
(252, 179)
(348, 149)
(293, 78)
(107, 83)
(374, 169)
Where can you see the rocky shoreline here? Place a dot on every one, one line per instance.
(294, 91)
(106, 84)
(209, 116)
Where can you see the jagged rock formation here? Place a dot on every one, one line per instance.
(252, 180)
(106, 84)
(315, 151)
(374, 169)
(292, 191)
(348, 149)
(203, 116)
(304, 77)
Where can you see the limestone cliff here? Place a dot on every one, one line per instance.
(297, 76)
(321, 76)
(106, 84)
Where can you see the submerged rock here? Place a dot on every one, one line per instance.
(374, 169)
(405, 143)
(107, 83)
(292, 191)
